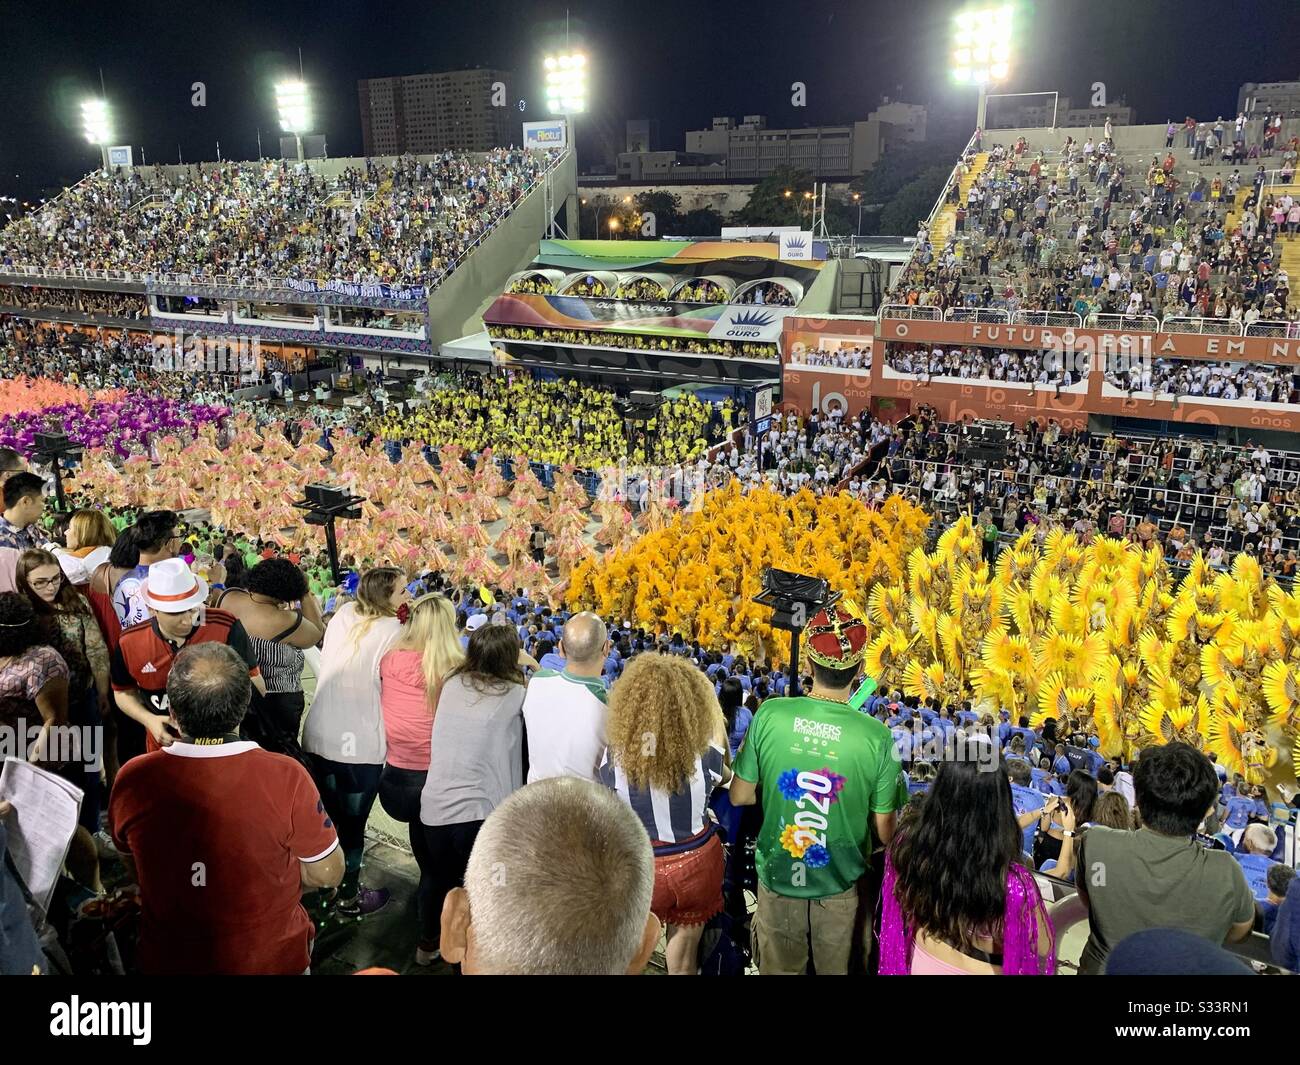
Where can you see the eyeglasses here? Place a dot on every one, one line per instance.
(47, 582)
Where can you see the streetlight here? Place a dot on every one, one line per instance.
(613, 227)
(857, 198)
(566, 88)
(981, 53)
(292, 101)
(95, 121)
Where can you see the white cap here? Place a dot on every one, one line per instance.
(475, 622)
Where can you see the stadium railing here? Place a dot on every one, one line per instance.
(1047, 318)
(1213, 326)
(1147, 323)
(903, 310)
(976, 314)
(1273, 329)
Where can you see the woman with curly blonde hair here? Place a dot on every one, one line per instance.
(666, 752)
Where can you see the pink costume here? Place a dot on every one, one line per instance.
(1020, 955)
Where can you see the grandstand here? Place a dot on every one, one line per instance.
(348, 255)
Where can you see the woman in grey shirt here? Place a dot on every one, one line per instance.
(477, 752)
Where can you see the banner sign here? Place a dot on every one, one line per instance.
(723, 321)
(361, 291)
(550, 134)
(1100, 341)
(120, 155)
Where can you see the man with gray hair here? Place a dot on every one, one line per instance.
(565, 712)
(559, 883)
(223, 836)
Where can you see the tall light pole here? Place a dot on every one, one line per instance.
(981, 52)
(99, 131)
(566, 89)
(857, 198)
(294, 105)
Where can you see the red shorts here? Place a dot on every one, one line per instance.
(688, 886)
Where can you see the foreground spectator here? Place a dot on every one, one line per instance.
(565, 711)
(278, 632)
(411, 677)
(79, 641)
(476, 753)
(223, 836)
(20, 950)
(145, 653)
(1160, 876)
(667, 752)
(576, 897)
(808, 872)
(1162, 951)
(1279, 883)
(24, 503)
(344, 732)
(957, 899)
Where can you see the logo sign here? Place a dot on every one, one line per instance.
(762, 403)
(748, 325)
(763, 426)
(551, 134)
(797, 245)
(120, 156)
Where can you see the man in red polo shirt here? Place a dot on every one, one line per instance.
(176, 597)
(222, 836)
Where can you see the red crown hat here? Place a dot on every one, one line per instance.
(836, 638)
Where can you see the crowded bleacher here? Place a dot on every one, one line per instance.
(1080, 227)
(409, 222)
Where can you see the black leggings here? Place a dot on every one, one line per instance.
(399, 795)
(448, 848)
(348, 791)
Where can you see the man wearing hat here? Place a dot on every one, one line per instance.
(829, 776)
(176, 599)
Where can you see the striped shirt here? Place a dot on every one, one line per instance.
(669, 818)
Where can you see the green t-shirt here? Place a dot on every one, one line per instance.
(991, 531)
(822, 770)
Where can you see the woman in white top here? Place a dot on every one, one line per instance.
(344, 733)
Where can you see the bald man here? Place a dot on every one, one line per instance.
(559, 883)
(564, 711)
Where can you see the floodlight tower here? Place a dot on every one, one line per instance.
(99, 130)
(981, 52)
(294, 104)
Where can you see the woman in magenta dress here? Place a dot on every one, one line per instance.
(957, 899)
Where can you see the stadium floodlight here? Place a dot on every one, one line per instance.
(294, 104)
(981, 49)
(566, 83)
(95, 121)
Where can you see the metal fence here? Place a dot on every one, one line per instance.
(1147, 323)
(1208, 326)
(976, 314)
(903, 310)
(1047, 318)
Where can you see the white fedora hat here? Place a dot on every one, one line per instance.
(172, 588)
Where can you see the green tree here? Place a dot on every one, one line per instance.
(700, 222)
(779, 200)
(913, 201)
(664, 205)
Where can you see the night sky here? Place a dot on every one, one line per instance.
(680, 62)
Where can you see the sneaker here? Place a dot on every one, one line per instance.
(427, 957)
(365, 901)
(104, 845)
